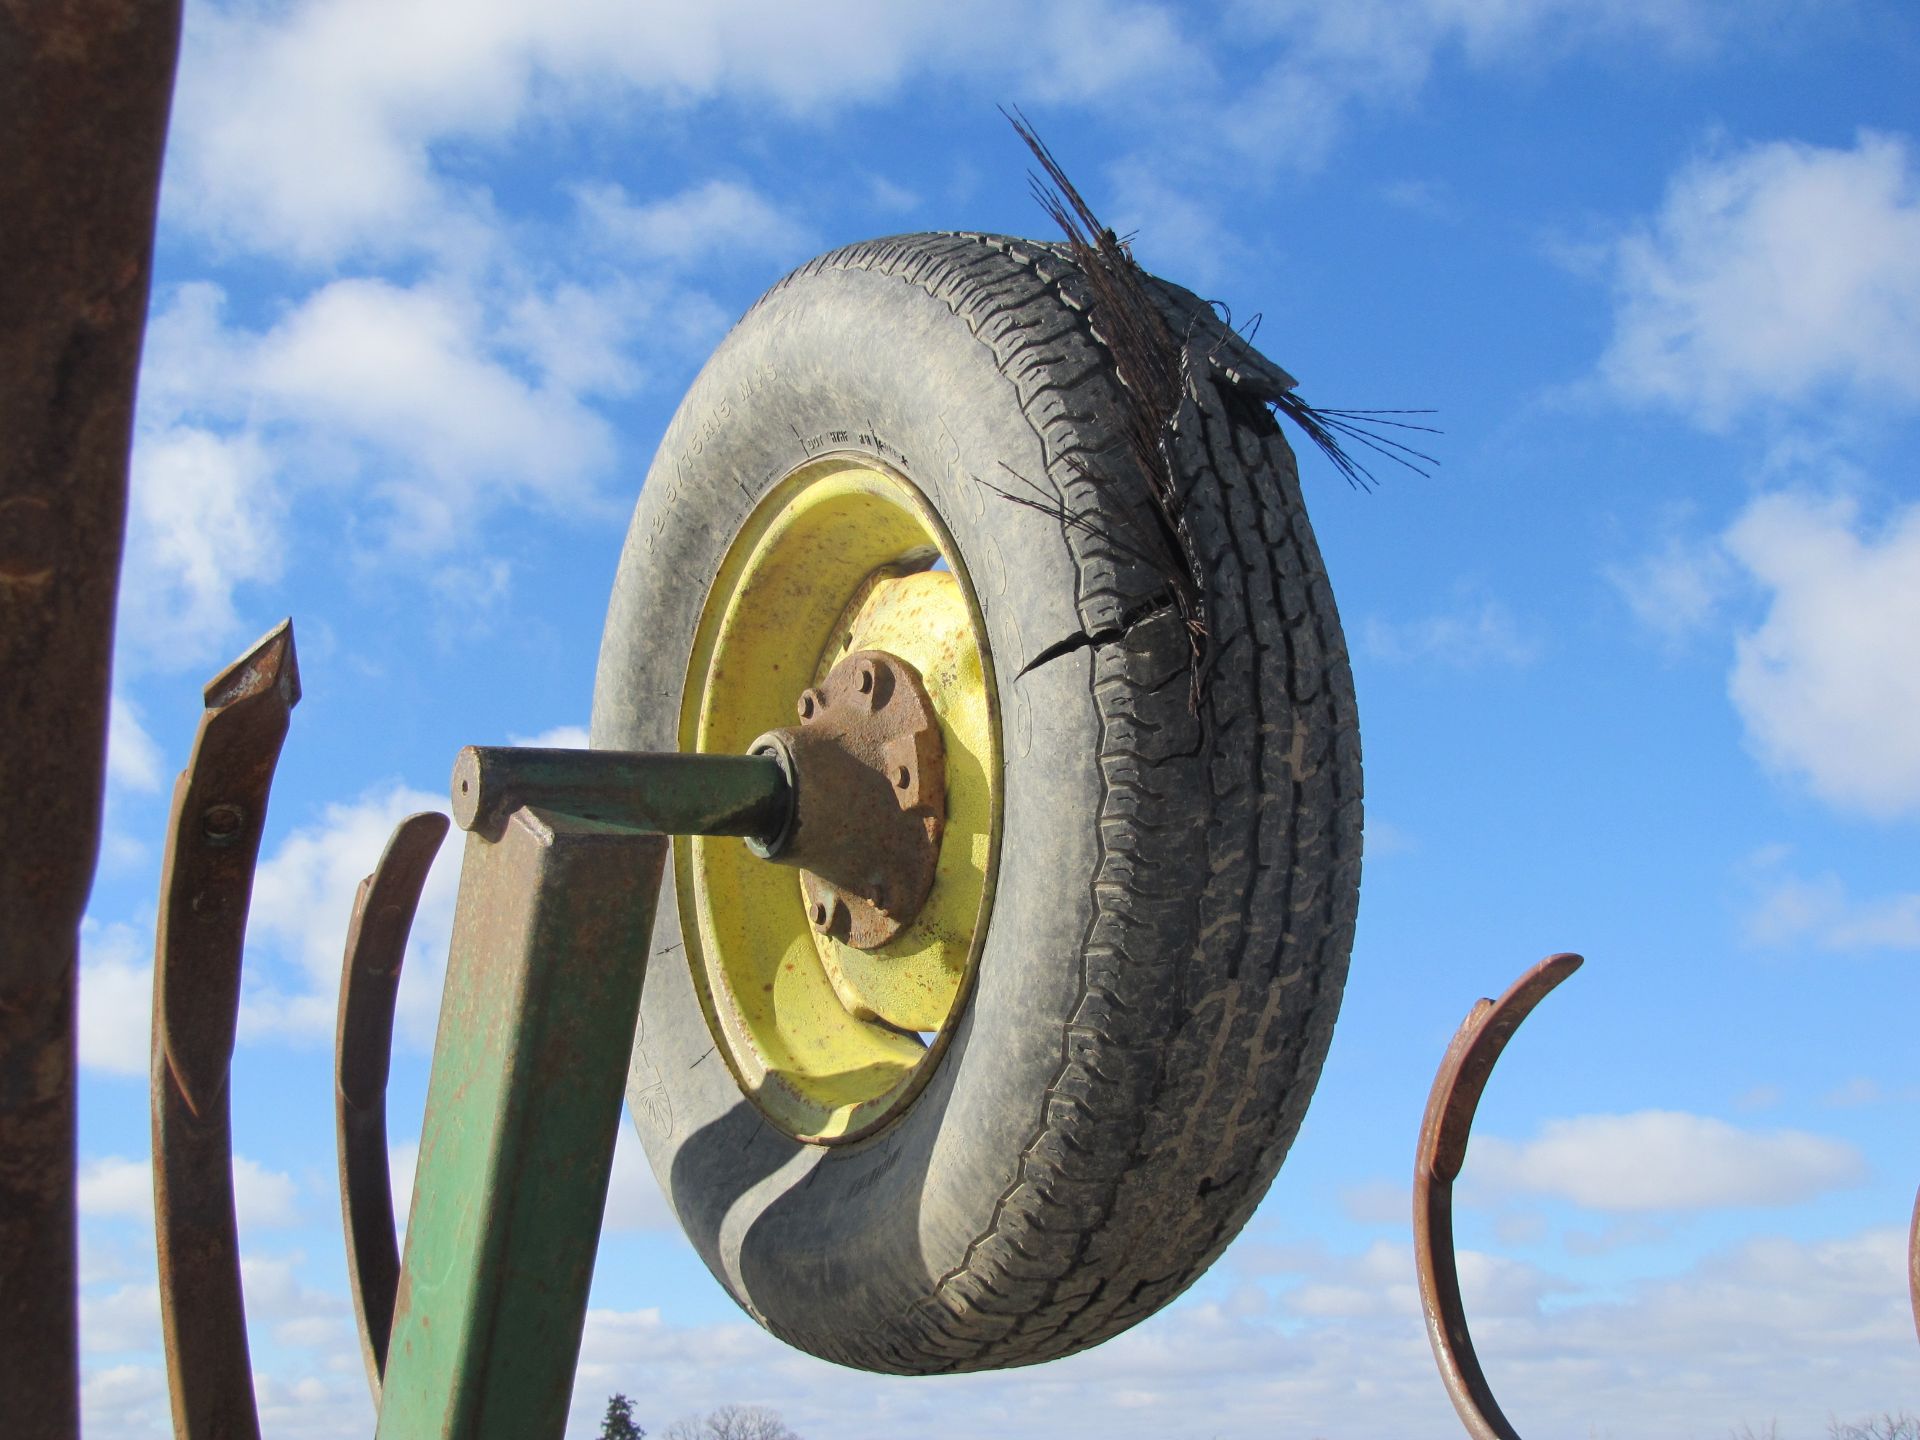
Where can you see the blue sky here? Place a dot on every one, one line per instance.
(1638, 666)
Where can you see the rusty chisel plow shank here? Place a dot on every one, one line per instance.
(213, 839)
(84, 92)
(383, 913)
(1457, 1088)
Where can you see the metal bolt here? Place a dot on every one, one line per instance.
(222, 823)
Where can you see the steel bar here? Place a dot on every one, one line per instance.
(1444, 1131)
(383, 912)
(86, 87)
(659, 794)
(536, 1029)
(213, 840)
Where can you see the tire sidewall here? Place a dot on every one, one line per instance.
(830, 1246)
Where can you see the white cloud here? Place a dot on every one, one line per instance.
(1828, 684)
(128, 1400)
(406, 413)
(116, 1188)
(135, 766)
(1779, 273)
(1663, 1160)
(1178, 232)
(312, 130)
(263, 1199)
(133, 760)
(1794, 909)
(116, 997)
(1080, 53)
(560, 737)
(1618, 1234)
(1480, 631)
(1827, 680)
(126, 1318)
(204, 519)
(578, 335)
(302, 899)
(407, 371)
(716, 218)
(1339, 57)
(884, 194)
(1676, 590)
(1860, 1090)
(1333, 1344)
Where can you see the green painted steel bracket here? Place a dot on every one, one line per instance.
(558, 889)
(542, 996)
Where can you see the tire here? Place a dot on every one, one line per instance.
(1176, 895)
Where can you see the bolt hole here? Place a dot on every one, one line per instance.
(903, 777)
(222, 823)
(866, 679)
(806, 706)
(820, 914)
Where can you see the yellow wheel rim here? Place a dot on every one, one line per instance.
(832, 1042)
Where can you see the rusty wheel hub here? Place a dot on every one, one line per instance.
(868, 772)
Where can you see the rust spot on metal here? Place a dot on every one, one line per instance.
(1444, 1131)
(869, 775)
(29, 538)
(213, 841)
(383, 911)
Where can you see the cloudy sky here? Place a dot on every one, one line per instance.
(1638, 666)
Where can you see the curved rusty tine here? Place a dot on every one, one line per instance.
(83, 121)
(383, 913)
(1913, 1263)
(213, 840)
(1456, 1094)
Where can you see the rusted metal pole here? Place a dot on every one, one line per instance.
(363, 1049)
(213, 840)
(1457, 1088)
(84, 92)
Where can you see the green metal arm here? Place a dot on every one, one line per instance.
(542, 997)
(564, 856)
